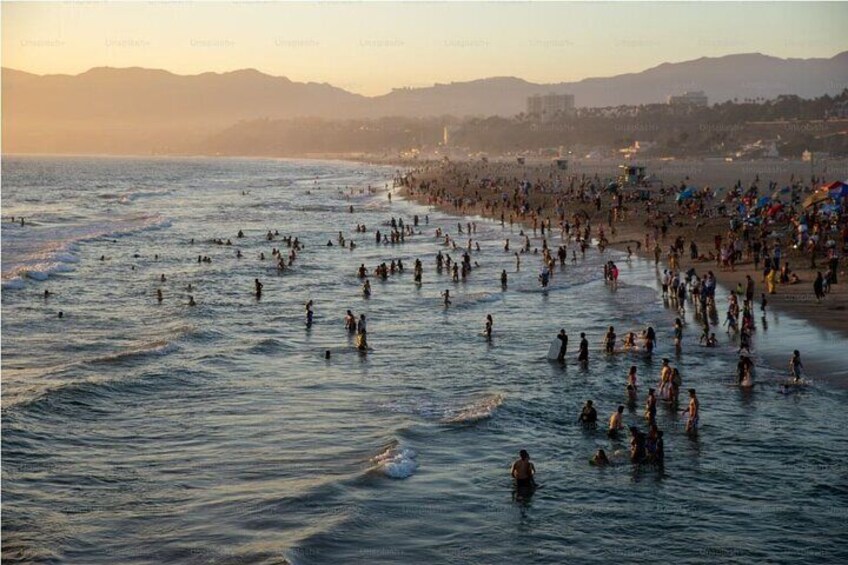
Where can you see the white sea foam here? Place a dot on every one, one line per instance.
(481, 409)
(38, 254)
(396, 462)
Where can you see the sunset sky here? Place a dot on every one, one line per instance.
(371, 48)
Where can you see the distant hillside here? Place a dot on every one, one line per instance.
(721, 78)
(130, 110)
(138, 110)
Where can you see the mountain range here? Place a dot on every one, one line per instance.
(125, 110)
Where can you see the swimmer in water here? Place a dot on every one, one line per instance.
(637, 445)
(523, 471)
(309, 314)
(678, 334)
(362, 341)
(159, 294)
(694, 412)
(651, 406)
(191, 301)
(795, 366)
(258, 286)
(616, 423)
(600, 458)
(563, 345)
(366, 288)
(588, 416)
(446, 295)
(503, 279)
(489, 323)
(609, 341)
(583, 353)
(631, 396)
(350, 322)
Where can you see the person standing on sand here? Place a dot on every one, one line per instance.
(818, 286)
(771, 281)
(749, 289)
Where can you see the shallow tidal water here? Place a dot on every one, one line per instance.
(139, 432)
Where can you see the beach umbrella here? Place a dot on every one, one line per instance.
(816, 198)
(763, 201)
(686, 194)
(838, 192)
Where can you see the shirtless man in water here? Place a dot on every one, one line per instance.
(523, 471)
(694, 412)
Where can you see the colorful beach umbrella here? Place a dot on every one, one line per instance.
(816, 198)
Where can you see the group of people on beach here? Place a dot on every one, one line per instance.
(534, 203)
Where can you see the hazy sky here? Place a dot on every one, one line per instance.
(371, 48)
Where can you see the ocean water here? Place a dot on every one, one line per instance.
(140, 432)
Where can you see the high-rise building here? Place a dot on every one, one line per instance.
(548, 106)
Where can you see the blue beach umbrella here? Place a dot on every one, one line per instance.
(686, 194)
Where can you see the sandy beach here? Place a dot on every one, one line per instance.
(455, 187)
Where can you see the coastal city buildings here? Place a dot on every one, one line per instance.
(689, 99)
(547, 107)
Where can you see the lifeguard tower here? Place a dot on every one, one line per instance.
(631, 175)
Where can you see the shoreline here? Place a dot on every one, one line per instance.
(797, 300)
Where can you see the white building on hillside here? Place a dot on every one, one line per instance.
(548, 106)
(694, 99)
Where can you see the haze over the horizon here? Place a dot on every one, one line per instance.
(372, 48)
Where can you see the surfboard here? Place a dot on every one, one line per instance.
(553, 350)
